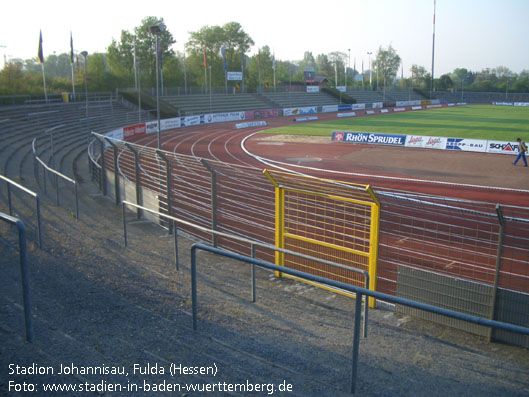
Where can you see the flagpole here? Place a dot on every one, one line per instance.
(242, 70)
(185, 73)
(274, 67)
(205, 73)
(71, 64)
(40, 56)
(135, 70)
(433, 48)
(44, 83)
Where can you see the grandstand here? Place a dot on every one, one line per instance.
(480, 97)
(97, 301)
(300, 99)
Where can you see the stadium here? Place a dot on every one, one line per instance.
(155, 248)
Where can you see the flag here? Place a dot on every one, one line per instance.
(40, 56)
(274, 61)
(159, 52)
(223, 52)
(205, 59)
(71, 48)
(242, 59)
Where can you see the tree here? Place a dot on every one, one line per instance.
(324, 65)
(208, 42)
(419, 76)
(121, 54)
(387, 63)
(12, 81)
(444, 83)
(338, 63)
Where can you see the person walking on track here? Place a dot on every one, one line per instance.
(522, 149)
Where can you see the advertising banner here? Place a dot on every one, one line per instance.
(399, 109)
(260, 114)
(467, 145)
(348, 114)
(191, 120)
(151, 126)
(169, 124)
(133, 131)
(313, 88)
(359, 106)
(250, 124)
(329, 108)
(426, 142)
(368, 137)
(308, 118)
(502, 147)
(378, 105)
(115, 134)
(298, 111)
(234, 76)
(222, 117)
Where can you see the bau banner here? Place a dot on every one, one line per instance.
(467, 145)
(502, 147)
(367, 137)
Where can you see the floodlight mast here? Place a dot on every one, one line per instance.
(156, 30)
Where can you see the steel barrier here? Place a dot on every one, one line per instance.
(57, 175)
(252, 244)
(23, 271)
(359, 291)
(31, 193)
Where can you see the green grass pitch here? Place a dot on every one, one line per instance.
(503, 123)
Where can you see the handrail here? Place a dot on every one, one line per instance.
(253, 243)
(31, 193)
(23, 271)
(359, 291)
(58, 174)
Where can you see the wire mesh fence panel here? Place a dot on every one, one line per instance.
(442, 238)
(450, 237)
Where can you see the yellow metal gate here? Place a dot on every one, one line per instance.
(329, 220)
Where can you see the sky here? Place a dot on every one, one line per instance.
(471, 34)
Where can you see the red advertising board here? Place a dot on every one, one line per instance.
(133, 131)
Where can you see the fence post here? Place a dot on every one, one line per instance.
(116, 174)
(356, 341)
(501, 233)
(103, 177)
(136, 177)
(9, 199)
(23, 272)
(254, 295)
(213, 199)
(168, 185)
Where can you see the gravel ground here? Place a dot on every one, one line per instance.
(99, 304)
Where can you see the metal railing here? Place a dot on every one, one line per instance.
(359, 291)
(10, 183)
(23, 271)
(58, 175)
(252, 244)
